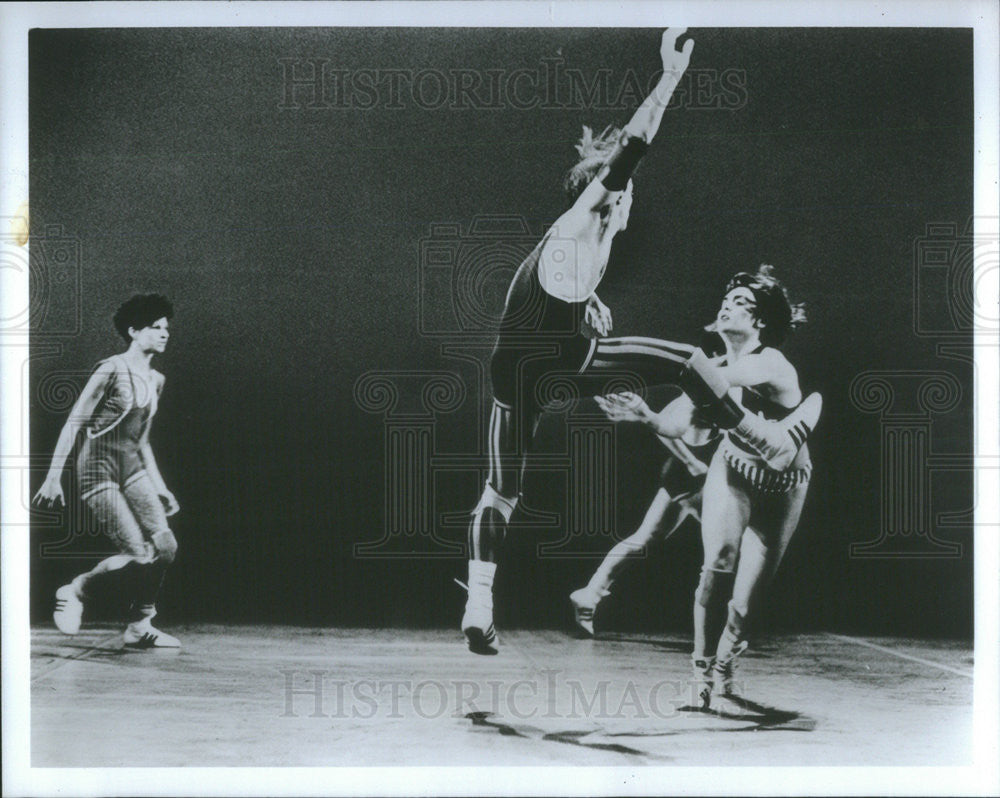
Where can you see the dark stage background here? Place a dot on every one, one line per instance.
(290, 240)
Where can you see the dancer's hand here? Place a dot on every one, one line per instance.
(674, 61)
(625, 406)
(50, 494)
(598, 315)
(170, 505)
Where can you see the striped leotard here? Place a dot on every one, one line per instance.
(750, 465)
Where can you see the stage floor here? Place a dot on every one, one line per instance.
(272, 696)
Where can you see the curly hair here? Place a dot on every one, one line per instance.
(140, 311)
(774, 307)
(593, 152)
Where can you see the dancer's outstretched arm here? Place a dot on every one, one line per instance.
(51, 493)
(573, 259)
(641, 128)
(672, 422)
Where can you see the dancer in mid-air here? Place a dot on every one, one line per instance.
(754, 490)
(117, 474)
(550, 300)
(551, 304)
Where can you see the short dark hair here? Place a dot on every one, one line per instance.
(774, 308)
(141, 311)
(593, 152)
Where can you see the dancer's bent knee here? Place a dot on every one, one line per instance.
(490, 499)
(712, 583)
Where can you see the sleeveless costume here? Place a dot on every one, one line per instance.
(111, 474)
(109, 455)
(540, 338)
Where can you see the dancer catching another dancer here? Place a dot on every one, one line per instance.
(758, 478)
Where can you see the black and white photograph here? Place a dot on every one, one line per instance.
(500, 398)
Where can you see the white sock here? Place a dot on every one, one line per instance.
(598, 589)
(481, 574)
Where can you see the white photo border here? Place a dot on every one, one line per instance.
(982, 777)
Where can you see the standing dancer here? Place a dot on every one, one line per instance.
(678, 498)
(551, 297)
(755, 487)
(757, 480)
(117, 473)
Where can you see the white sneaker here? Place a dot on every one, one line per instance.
(480, 634)
(725, 669)
(69, 610)
(702, 680)
(584, 603)
(477, 622)
(142, 634)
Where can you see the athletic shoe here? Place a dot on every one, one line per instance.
(69, 610)
(702, 680)
(480, 634)
(725, 668)
(142, 634)
(477, 622)
(778, 442)
(584, 603)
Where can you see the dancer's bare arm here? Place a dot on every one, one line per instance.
(51, 493)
